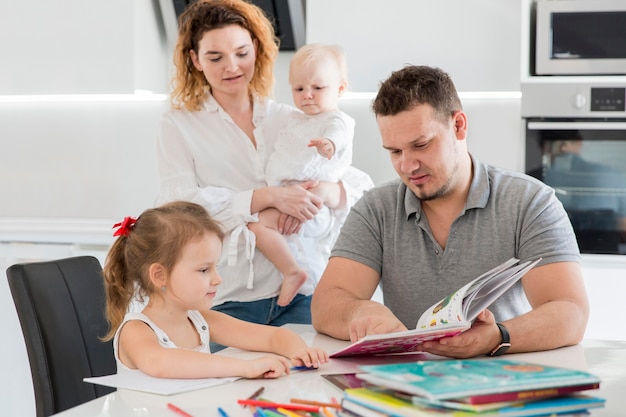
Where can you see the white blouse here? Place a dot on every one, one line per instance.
(204, 157)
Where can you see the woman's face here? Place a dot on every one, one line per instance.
(226, 57)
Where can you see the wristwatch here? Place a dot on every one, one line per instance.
(505, 343)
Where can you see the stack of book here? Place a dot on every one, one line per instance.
(471, 388)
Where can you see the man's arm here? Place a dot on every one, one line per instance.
(341, 305)
(558, 318)
(560, 311)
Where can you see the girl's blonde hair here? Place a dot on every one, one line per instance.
(190, 85)
(158, 236)
(316, 52)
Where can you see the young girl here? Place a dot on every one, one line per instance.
(169, 255)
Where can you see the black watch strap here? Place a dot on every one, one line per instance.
(505, 343)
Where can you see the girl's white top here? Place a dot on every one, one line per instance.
(196, 318)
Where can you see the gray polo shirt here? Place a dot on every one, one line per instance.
(507, 214)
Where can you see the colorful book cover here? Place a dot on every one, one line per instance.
(479, 403)
(400, 342)
(345, 381)
(523, 395)
(382, 402)
(406, 404)
(446, 379)
(446, 318)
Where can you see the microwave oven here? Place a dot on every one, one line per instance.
(580, 37)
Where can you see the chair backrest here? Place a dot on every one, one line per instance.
(61, 308)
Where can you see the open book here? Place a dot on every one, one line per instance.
(447, 317)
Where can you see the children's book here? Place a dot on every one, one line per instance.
(376, 395)
(390, 405)
(345, 381)
(448, 317)
(449, 379)
(474, 402)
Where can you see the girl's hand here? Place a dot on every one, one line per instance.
(269, 366)
(325, 147)
(310, 357)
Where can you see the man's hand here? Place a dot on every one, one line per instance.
(374, 324)
(478, 340)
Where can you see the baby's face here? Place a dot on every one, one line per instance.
(316, 87)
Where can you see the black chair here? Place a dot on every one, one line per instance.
(60, 305)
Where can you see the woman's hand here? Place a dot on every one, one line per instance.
(297, 201)
(288, 225)
(269, 366)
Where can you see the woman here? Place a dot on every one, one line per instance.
(214, 146)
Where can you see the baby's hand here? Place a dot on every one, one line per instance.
(269, 366)
(325, 147)
(310, 357)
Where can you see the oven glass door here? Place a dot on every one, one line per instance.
(585, 163)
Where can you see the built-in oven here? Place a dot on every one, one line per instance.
(580, 37)
(575, 136)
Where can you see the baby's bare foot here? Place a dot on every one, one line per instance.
(291, 284)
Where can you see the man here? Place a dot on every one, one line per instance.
(447, 221)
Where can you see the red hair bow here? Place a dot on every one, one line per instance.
(124, 226)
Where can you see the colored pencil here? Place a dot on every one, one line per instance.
(270, 404)
(319, 404)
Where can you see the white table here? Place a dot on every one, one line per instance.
(607, 359)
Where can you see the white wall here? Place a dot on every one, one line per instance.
(60, 162)
(477, 41)
(68, 46)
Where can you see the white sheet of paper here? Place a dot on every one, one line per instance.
(138, 381)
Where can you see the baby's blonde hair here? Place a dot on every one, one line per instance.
(315, 52)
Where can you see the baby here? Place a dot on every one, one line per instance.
(315, 145)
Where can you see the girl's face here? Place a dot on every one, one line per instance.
(226, 57)
(316, 86)
(194, 279)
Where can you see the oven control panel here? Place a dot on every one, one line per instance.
(588, 98)
(608, 99)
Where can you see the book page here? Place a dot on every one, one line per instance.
(451, 308)
(493, 288)
(448, 310)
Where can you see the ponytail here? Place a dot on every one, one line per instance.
(119, 287)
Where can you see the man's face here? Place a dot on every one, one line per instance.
(425, 150)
